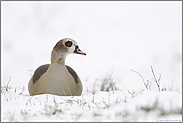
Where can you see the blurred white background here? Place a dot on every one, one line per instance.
(116, 37)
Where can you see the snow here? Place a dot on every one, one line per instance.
(101, 106)
(117, 37)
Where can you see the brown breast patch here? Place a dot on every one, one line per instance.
(39, 72)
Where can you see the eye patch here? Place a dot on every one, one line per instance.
(68, 43)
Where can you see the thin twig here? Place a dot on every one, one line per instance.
(29, 100)
(94, 92)
(8, 84)
(155, 78)
(93, 97)
(142, 78)
(6, 97)
(171, 86)
(159, 77)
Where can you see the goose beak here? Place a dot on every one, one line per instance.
(78, 51)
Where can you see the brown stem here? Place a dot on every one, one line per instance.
(155, 78)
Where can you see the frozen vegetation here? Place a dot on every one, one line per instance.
(104, 103)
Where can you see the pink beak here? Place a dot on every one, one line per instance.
(78, 51)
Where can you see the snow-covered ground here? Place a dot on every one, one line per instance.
(117, 37)
(144, 105)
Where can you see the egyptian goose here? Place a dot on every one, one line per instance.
(57, 78)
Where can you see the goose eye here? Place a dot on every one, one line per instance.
(68, 43)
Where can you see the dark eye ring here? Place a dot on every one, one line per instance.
(68, 43)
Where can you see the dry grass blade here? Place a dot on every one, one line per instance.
(108, 84)
(141, 77)
(22, 91)
(157, 81)
(8, 84)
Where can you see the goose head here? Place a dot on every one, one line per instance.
(63, 48)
